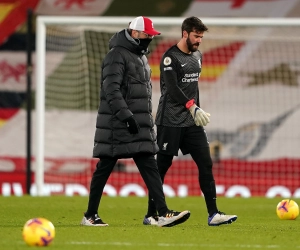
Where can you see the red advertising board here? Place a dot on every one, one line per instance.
(233, 178)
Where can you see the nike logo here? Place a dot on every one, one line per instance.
(182, 65)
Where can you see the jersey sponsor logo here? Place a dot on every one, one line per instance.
(167, 61)
(194, 77)
(168, 68)
(191, 75)
(182, 65)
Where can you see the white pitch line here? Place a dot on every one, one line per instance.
(247, 246)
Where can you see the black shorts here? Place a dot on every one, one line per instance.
(170, 139)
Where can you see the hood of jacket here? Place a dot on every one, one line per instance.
(123, 39)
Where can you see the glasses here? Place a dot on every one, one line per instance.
(147, 36)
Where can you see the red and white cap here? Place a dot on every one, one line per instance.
(144, 24)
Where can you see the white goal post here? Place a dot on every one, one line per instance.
(44, 21)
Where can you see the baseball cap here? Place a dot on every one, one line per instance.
(144, 24)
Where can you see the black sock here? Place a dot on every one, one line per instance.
(209, 190)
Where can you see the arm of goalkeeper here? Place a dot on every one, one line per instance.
(201, 118)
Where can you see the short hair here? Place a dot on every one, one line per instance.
(128, 29)
(191, 24)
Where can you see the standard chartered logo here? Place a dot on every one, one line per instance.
(190, 77)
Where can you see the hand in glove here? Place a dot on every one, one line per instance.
(132, 125)
(201, 118)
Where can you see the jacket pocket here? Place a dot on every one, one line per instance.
(122, 135)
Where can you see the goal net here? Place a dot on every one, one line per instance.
(249, 83)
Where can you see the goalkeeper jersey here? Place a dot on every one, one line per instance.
(179, 77)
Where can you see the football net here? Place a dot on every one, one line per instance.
(249, 83)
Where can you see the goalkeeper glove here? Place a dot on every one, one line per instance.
(132, 125)
(201, 118)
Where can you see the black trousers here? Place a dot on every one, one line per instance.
(193, 141)
(147, 166)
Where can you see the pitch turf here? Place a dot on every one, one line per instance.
(257, 226)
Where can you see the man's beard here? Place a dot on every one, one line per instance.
(192, 47)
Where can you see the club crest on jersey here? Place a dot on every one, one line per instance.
(167, 61)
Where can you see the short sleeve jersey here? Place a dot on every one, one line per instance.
(179, 76)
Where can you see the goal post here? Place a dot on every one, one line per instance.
(242, 53)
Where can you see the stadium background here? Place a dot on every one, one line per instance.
(259, 152)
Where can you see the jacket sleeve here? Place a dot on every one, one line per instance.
(113, 70)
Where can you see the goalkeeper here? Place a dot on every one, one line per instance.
(180, 119)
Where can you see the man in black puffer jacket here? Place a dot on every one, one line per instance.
(124, 127)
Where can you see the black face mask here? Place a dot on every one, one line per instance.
(143, 43)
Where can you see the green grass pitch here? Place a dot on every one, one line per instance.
(257, 226)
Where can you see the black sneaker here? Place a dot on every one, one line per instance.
(173, 218)
(93, 220)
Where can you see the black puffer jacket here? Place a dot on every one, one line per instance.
(126, 90)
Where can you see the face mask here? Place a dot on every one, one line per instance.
(143, 43)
